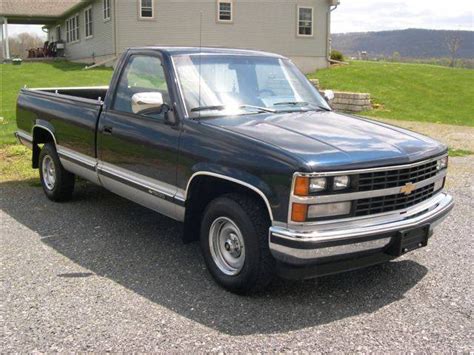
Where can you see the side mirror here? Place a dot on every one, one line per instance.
(147, 102)
(329, 95)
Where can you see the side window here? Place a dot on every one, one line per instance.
(146, 9)
(305, 21)
(142, 74)
(224, 11)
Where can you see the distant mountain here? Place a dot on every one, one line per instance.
(410, 43)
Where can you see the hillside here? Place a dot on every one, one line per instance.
(412, 92)
(410, 43)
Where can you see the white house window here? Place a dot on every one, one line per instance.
(224, 11)
(305, 21)
(88, 22)
(72, 29)
(146, 8)
(106, 10)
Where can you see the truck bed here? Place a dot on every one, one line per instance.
(70, 113)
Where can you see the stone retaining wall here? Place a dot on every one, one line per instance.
(348, 101)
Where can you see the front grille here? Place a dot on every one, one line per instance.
(394, 178)
(389, 203)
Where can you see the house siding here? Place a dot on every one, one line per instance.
(100, 46)
(258, 24)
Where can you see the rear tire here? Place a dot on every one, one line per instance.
(58, 184)
(234, 242)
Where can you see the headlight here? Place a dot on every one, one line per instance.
(442, 163)
(304, 186)
(341, 182)
(329, 210)
(317, 185)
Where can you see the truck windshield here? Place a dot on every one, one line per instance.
(219, 85)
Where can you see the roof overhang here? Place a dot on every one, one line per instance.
(29, 20)
(39, 12)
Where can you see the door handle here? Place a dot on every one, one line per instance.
(107, 130)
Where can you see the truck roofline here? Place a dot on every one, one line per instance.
(173, 51)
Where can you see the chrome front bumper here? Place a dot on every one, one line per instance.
(346, 238)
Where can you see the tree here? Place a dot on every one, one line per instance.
(453, 42)
(20, 44)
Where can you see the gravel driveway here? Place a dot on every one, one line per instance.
(103, 274)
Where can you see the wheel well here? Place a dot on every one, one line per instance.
(202, 190)
(40, 136)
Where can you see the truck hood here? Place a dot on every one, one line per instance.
(324, 140)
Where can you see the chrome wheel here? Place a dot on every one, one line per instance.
(227, 246)
(49, 172)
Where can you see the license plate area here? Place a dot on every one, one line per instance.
(406, 241)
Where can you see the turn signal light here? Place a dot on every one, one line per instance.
(299, 212)
(301, 186)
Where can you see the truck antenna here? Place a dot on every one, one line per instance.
(200, 57)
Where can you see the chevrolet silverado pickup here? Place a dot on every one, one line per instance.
(241, 147)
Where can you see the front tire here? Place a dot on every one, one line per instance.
(234, 242)
(58, 184)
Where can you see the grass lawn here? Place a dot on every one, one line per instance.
(414, 92)
(13, 78)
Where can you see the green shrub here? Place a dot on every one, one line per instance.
(336, 55)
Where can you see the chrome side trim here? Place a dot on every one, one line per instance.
(146, 182)
(24, 138)
(78, 157)
(224, 177)
(370, 170)
(321, 199)
(146, 199)
(78, 164)
(151, 193)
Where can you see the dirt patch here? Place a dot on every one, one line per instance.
(456, 137)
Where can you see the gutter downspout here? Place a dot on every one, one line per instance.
(328, 21)
(115, 29)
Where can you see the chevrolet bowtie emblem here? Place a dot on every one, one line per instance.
(408, 188)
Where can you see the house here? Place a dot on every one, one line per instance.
(99, 30)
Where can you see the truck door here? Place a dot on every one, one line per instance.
(138, 152)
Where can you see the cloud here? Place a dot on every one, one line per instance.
(371, 15)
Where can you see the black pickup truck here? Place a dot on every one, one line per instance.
(240, 147)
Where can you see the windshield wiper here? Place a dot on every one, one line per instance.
(223, 107)
(258, 108)
(301, 104)
(292, 103)
(209, 108)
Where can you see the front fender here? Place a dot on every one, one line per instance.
(255, 183)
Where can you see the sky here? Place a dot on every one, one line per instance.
(379, 15)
